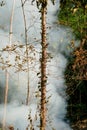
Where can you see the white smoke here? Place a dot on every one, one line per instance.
(17, 112)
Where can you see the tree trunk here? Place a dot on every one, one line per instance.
(43, 69)
(7, 71)
(27, 53)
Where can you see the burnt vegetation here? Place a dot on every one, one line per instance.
(73, 14)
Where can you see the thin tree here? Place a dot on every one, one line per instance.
(43, 109)
(42, 5)
(7, 72)
(43, 70)
(27, 53)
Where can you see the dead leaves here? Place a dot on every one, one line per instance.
(80, 63)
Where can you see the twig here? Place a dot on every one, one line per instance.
(26, 42)
(7, 72)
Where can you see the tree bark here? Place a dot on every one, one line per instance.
(43, 69)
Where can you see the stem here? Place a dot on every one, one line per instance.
(26, 42)
(5, 100)
(43, 70)
(7, 72)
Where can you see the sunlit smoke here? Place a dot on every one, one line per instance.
(17, 111)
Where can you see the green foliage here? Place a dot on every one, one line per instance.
(74, 14)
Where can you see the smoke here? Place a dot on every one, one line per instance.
(58, 39)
